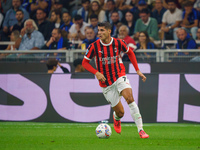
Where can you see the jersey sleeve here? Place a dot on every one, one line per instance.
(125, 47)
(90, 52)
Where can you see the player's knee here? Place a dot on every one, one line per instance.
(129, 99)
(120, 114)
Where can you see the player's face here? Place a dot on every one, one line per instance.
(103, 33)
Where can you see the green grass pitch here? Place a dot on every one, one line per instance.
(81, 136)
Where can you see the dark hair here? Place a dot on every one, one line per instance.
(51, 63)
(84, 1)
(170, 1)
(107, 25)
(58, 30)
(20, 11)
(41, 10)
(77, 17)
(66, 12)
(145, 10)
(114, 12)
(94, 16)
(57, 12)
(187, 3)
(77, 62)
(113, 2)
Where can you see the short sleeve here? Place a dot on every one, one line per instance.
(179, 15)
(90, 52)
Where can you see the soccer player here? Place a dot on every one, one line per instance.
(111, 74)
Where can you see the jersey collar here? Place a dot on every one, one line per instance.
(108, 43)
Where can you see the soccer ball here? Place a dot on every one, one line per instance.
(103, 131)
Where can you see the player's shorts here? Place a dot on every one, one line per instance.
(112, 92)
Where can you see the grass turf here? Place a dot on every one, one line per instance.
(78, 136)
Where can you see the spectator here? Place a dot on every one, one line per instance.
(11, 47)
(190, 18)
(67, 23)
(177, 2)
(56, 18)
(115, 21)
(78, 65)
(110, 8)
(30, 39)
(94, 23)
(84, 10)
(10, 19)
(20, 17)
(129, 22)
(185, 41)
(78, 28)
(6, 5)
(58, 5)
(95, 8)
(57, 42)
(158, 12)
(146, 23)
(171, 21)
(52, 65)
(90, 37)
(39, 4)
(44, 26)
(145, 43)
(136, 10)
(123, 34)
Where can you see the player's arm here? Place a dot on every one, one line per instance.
(88, 67)
(133, 60)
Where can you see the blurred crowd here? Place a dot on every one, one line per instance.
(58, 25)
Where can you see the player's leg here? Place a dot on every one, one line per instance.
(134, 110)
(118, 113)
(112, 96)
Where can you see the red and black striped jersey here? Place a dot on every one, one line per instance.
(108, 59)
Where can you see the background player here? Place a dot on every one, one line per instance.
(111, 74)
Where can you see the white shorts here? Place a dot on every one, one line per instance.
(112, 92)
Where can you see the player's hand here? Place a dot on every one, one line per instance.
(141, 75)
(100, 76)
